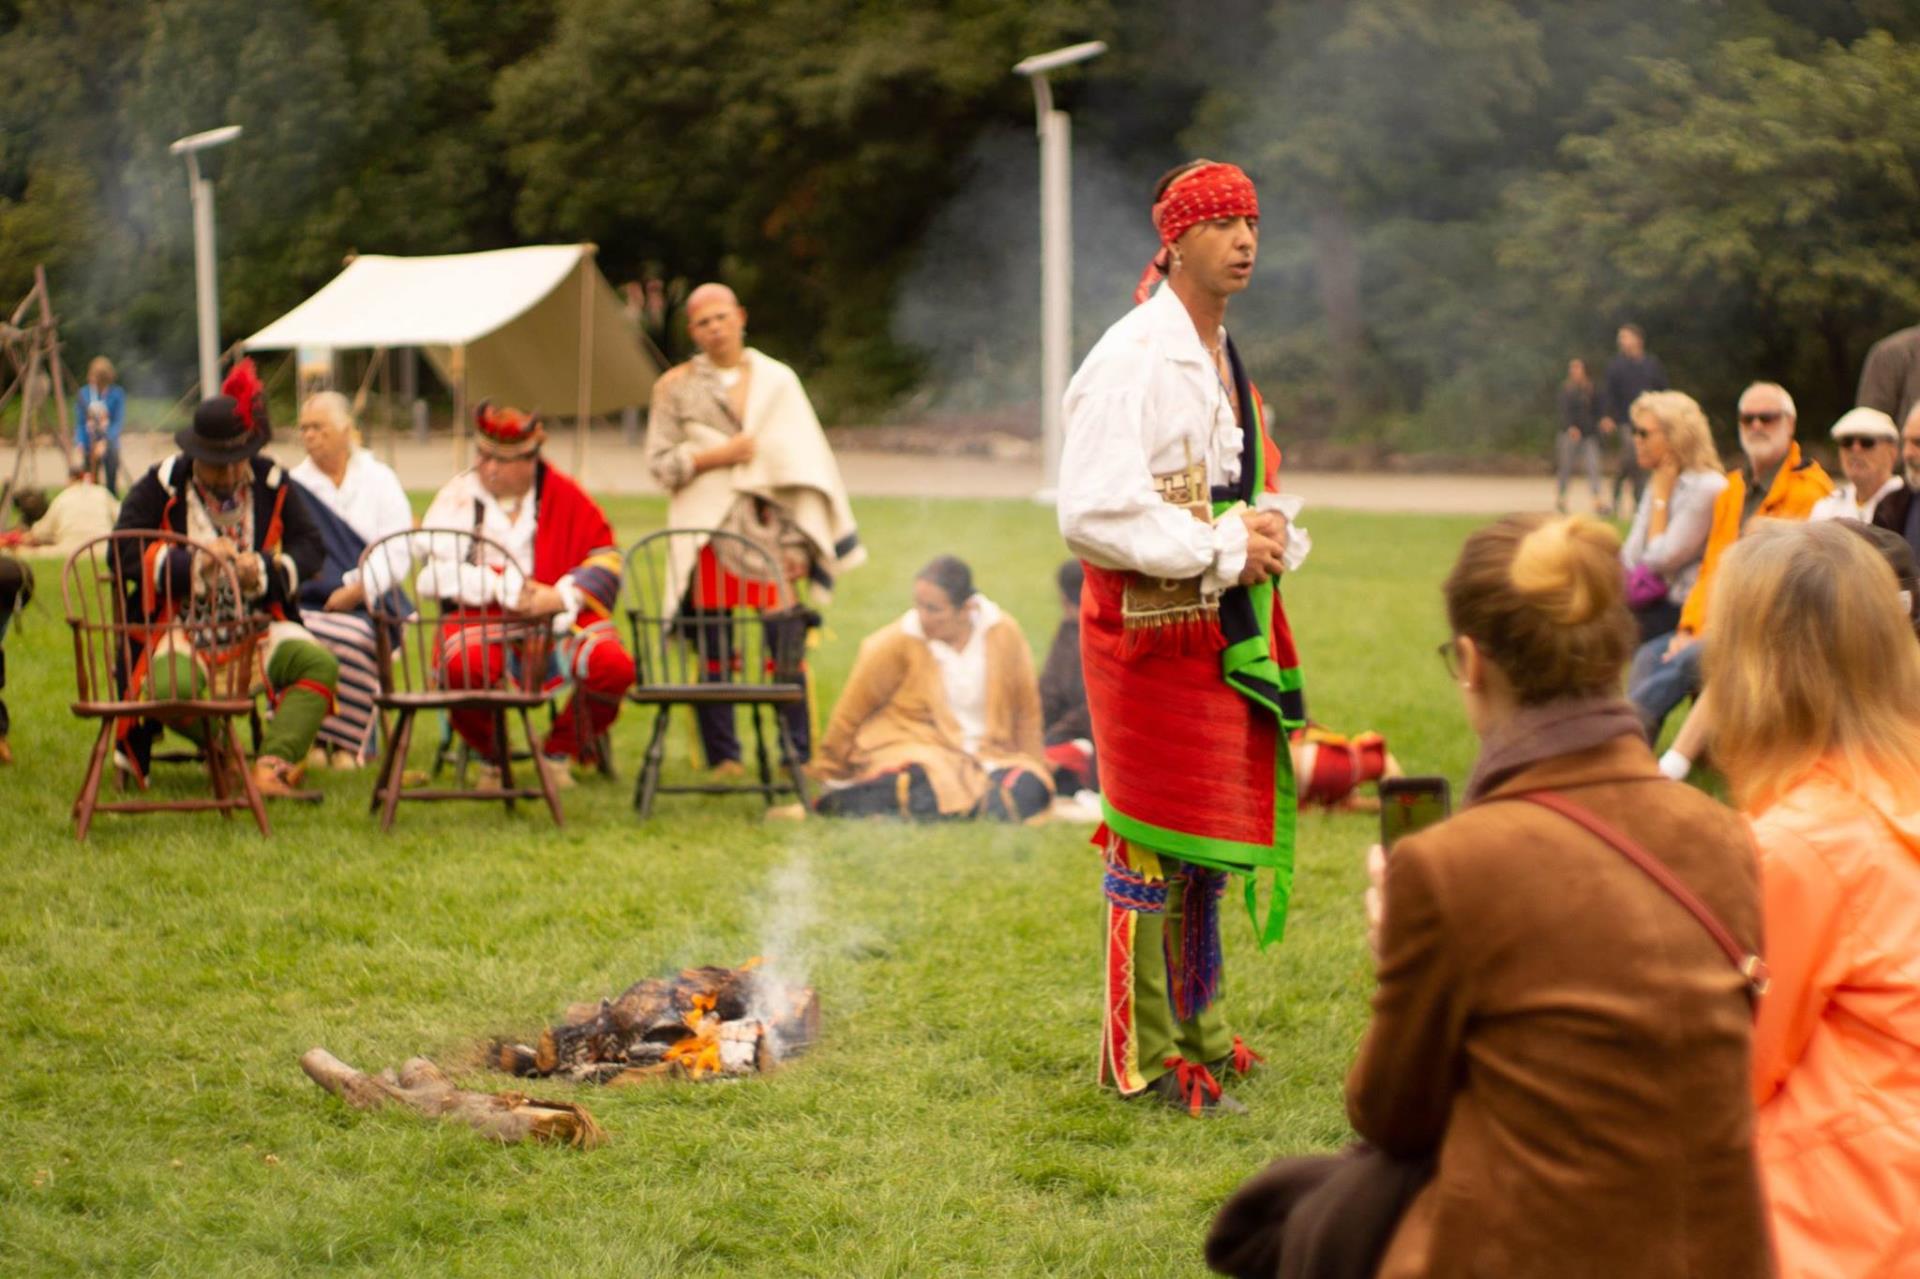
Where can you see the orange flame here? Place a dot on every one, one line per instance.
(699, 1052)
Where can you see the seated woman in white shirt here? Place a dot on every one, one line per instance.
(941, 715)
(359, 500)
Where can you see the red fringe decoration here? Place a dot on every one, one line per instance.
(1173, 639)
(1243, 1056)
(1195, 1082)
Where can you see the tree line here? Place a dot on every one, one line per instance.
(1456, 197)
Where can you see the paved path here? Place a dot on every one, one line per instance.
(615, 468)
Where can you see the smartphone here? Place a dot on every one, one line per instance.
(1410, 804)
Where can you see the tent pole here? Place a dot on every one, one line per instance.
(583, 401)
(458, 361)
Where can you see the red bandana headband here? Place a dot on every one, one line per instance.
(1201, 194)
(506, 432)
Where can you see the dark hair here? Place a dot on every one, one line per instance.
(1166, 179)
(32, 505)
(1070, 577)
(1545, 599)
(1899, 557)
(951, 575)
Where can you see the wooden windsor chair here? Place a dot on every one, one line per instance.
(134, 601)
(745, 647)
(454, 653)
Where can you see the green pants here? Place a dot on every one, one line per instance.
(296, 672)
(1141, 1032)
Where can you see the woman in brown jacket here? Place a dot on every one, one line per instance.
(941, 715)
(1556, 1032)
(1552, 1032)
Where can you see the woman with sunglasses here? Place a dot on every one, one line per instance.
(1669, 536)
(1565, 1041)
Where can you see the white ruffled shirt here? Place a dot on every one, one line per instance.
(963, 671)
(445, 576)
(368, 498)
(1148, 400)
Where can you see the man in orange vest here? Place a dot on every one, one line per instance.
(1776, 482)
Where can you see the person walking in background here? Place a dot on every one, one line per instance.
(1557, 1049)
(1816, 681)
(1890, 377)
(1662, 554)
(1631, 373)
(99, 414)
(1869, 445)
(1577, 433)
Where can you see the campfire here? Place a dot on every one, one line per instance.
(704, 1023)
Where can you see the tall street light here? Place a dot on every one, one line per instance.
(1056, 246)
(203, 166)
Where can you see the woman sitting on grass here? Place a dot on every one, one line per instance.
(1557, 1059)
(1816, 694)
(941, 716)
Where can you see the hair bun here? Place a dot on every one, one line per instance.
(1569, 568)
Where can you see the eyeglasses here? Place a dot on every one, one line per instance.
(1861, 442)
(1748, 419)
(1449, 651)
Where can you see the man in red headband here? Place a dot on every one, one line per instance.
(1168, 495)
(546, 522)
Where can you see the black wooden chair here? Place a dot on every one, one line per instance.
(451, 653)
(745, 646)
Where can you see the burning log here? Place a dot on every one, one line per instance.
(703, 1023)
(504, 1117)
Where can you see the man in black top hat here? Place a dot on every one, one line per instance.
(220, 492)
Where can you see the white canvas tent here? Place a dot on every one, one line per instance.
(535, 327)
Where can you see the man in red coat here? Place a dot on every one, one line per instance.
(546, 521)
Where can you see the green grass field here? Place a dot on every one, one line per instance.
(161, 981)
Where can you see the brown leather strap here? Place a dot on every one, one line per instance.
(1751, 966)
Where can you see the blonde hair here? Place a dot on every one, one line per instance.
(334, 407)
(1811, 657)
(99, 365)
(1680, 417)
(1545, 598)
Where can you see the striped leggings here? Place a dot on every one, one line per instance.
(349, 637)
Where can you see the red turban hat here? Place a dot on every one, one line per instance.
(1202, 193)
(507, 433)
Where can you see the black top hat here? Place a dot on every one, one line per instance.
(231, 427)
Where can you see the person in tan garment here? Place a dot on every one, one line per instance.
(1553, 1034)
(941, 715)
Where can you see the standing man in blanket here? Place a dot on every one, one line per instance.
(545, 520)
(733, 438)
(1168, 495)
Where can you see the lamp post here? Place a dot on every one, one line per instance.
(1056, 247)
(203, 166)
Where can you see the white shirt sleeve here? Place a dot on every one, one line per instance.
(1112, 516)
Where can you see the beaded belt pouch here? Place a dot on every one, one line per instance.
(1168, 601)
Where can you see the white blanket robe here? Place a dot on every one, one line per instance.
(792, 467)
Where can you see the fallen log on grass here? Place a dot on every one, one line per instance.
(504, 1117)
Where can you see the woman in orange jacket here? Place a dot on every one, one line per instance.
(1816, 682)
